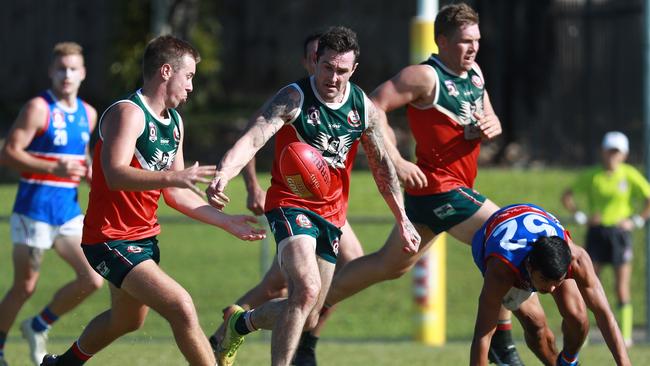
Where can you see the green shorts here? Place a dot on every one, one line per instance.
(442, 211)
(290, 221)
(113, 260)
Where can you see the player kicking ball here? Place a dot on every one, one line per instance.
(521, 250)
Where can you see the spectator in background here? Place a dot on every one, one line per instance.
(612, 192)
(48, 145)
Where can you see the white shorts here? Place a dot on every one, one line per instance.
(515, 297)
(39, 234)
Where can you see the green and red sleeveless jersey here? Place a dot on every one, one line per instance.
(118, 215)
(332, 128)
(447, 138)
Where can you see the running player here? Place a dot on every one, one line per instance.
(521, 250)
(449, 113)
(333, 115)
(48, 145)
(273, 285)
(138, 159)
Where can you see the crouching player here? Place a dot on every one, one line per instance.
(522, 249)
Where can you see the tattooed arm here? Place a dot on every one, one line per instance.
(280, 109)
(383, 171)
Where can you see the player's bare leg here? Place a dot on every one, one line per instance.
(622, 275)
(147, 284)
(538, 335)
(308, 278)
(389, 262)
(85, 283)
(349, 250)
(27, 262)
(272, 286)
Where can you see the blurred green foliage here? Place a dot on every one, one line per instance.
(132, 31)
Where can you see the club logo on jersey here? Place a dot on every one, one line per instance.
(335, 149)
(161, 160)
(444, 211)
(102, 269)
(303, 221)
(313, 116)
(476, 80)
(335, 246)
(70, 118)
(353, 118)
(58, 119)
(623, 186)
(177, 134)
(153, 132)
(134, 249)
(85, 136)
(451, 88)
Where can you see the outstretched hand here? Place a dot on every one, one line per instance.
(187, 178)
(215, 191)
(240, 226)
(410, 237)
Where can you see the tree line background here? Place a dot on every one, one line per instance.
(560, 73)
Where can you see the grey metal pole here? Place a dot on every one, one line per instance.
(646, 150)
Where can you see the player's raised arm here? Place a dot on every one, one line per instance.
(413, 84)
(280, 109)
(383, 171)
(594, 296)
(497, 282)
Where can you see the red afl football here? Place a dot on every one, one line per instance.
(304, 170)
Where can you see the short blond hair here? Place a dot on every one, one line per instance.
(452, 17)
(66, 48)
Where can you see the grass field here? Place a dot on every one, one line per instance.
(372, 328)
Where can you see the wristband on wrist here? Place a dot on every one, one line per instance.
(638, 221)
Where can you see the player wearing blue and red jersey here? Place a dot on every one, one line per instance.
(522, 250)
(48, 145)
(449, 113)
(333, 115)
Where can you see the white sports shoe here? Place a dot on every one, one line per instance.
(37, 341)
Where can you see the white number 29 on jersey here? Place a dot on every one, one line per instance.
(533, 223)
(60, 137)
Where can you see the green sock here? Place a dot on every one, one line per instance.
(625, 314)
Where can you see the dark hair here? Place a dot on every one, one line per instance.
(551, 256)
(452, 17)
(166, 50)
(310, 38)
(339, 39)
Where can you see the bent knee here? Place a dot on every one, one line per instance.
(312, 320)
(23, 291)
(91, 283)
(181, 311)
(306, 296)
